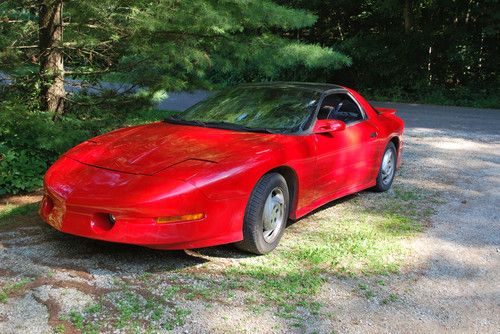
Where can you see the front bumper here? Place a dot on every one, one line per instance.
(79, 198)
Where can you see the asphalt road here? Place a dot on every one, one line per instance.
(469, 120)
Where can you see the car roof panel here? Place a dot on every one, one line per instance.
(317, 87)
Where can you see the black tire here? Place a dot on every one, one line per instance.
(253, 223)
(384, 183)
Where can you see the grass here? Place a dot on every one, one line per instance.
(361, 237)
(202, 292)
(365, 290)
(128, 306)
(392, 298)
(348, 241)
(132, 308)
(79, 319)
(11, 288)
(11, 211)
(178, 319)
(407, 195)
(171, 291)
(60, 328)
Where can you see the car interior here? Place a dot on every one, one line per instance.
(340, 106)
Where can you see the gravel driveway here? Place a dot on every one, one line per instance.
(451, 282)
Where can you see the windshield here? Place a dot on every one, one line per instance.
(253, 108)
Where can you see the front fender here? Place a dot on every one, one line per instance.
(233, 178)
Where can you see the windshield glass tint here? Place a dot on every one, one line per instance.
(281, 109)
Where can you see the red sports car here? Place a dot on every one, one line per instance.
(231, 169)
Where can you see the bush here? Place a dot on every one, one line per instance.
(460, 96)
(20, 171)
(30, 141)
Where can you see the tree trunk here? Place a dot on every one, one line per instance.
(51, 61)
(408, 15)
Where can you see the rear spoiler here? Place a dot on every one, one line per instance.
(381, 111)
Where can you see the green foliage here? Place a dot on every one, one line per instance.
(268, 58)
(172, 45)
(20, 171)
(460, 96)
(411, 50)
(30, 140)
(442, 52)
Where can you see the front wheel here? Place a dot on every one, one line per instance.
(266, 215)
(387, 168)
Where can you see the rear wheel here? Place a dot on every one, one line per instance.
(387, 168)
(266, 215)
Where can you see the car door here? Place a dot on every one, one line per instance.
(344, 159)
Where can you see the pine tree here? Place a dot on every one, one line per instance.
(161, 44)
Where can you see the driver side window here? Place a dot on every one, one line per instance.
(342, 107)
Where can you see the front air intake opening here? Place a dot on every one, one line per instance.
(102, 222)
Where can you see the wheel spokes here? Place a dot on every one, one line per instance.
(388, 166)
(273, 214)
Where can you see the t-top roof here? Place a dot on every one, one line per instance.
(312, 86)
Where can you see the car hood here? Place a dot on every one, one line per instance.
(151, 148)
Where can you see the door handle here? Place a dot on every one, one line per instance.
(373, 135)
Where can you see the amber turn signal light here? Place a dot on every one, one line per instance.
(183, 218)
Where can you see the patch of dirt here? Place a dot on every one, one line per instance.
(54, 311)
(450, 283)
(7, 273)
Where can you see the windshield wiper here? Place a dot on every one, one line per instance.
(233, 126)
(218, 124)
(177, 120)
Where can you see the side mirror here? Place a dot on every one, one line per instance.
(328, 125)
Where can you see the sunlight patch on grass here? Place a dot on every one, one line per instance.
(11, 211)
(365, 242)
(340, 241)
(365, 235)
(369, 243)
